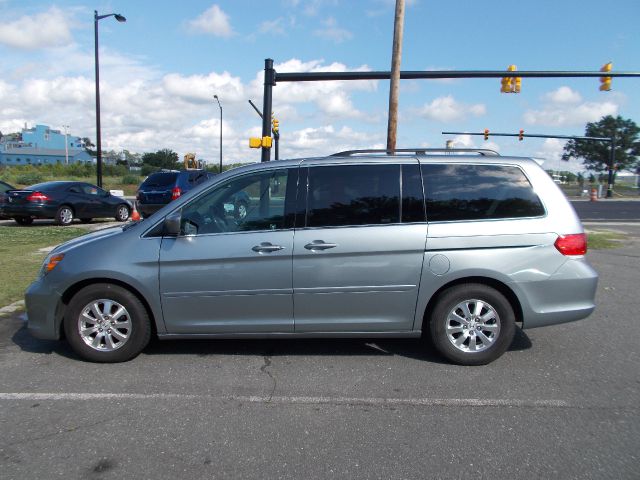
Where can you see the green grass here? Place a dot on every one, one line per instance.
(20, 259)
(601, 240)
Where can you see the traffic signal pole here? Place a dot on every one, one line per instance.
(611, 140)
(271, 77)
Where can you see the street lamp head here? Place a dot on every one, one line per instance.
(119, 17)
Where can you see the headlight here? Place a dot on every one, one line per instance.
(50, 263)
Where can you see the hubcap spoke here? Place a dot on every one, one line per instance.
(119, 335)
(484, 339)
(478, 309)
(453, 316)
(95, 308)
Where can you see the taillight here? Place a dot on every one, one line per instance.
(37, 197)
(573, 244)
(175, 193)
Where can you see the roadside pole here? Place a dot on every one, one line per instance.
(396, 59)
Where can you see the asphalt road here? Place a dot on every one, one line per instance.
(608, 210)
(561, 403)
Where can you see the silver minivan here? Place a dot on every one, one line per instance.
(456, 245)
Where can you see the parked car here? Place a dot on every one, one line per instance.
(358, 244)
(64, 201)
(4, 186)
(162, 187)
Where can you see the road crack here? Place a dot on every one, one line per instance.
(263, 369)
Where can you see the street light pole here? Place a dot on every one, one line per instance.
(218, 100)
(97, 18)
(66, 144)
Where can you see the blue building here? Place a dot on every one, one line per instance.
(42, 145)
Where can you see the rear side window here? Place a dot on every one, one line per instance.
(478, 192)
(160, 179)
(353, 195)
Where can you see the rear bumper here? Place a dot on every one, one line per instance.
(147, 209)
(566, 296)
(29, 210)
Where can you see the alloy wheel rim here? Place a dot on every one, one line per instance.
(123, 213)
(66, 215)
(473, 326)
(104, 325)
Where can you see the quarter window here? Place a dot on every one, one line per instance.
(353, 195)
(478, 192)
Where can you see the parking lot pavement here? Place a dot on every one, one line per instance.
(562, 403)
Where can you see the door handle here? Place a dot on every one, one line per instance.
(266, 247)
(317, 245)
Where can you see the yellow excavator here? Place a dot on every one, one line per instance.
(190, 162)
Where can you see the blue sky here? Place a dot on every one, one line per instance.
(160, 70)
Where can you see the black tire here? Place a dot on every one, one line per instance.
(86, 220)
(64, 215)
(122, 213)
(23, 220)
(138, 334)
(491, 337)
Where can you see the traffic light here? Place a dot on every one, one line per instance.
(517, 84)
(505, 85)
(521, 135)
(486, 134)
(508, 84)
(275, 125)
(264, 142)
(605, 82)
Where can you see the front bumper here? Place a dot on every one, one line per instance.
(45, 311)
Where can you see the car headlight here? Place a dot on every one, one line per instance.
(50, 263)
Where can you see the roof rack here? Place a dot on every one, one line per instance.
(419, 151)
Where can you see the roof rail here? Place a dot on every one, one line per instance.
(419, 151)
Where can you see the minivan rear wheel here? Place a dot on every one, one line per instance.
(106, 323)
(472, 324)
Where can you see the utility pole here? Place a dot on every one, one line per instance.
(396, 59)
(66, 144)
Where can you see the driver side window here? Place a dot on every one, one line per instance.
(251, 202)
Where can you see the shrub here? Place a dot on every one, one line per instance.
(29, 178)
(130, 180)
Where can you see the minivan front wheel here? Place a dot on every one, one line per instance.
(472, 324)
(106, 323)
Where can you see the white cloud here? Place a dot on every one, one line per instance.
(43, 30)
(447, 109)
(213, 21)
(563, 95)
(561, 115)
(145, 110)
(565, 107)
(331, 31)
(201, 88)
(274, 27)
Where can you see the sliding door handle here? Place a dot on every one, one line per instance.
(318, 245)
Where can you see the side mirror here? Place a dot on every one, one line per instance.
(171, 226)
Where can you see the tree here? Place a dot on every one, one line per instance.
(596, 155)
(87, 146)
(165, 158)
